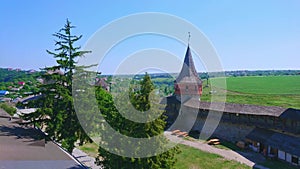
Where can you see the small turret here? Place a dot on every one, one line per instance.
(188, 84)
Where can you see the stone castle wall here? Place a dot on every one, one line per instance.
(227, 131)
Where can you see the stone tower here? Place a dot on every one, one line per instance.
(188, 84)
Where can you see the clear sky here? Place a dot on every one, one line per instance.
(247, 35)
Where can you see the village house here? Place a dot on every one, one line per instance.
(102, 82)
(269, 130)
(3, 93)
(21, 83)
(31, 71)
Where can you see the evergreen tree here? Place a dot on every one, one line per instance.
(140, 99)
(56, 111)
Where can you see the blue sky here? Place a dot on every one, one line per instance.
(246, 34)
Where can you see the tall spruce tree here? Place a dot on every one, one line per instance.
(139, 99)
(56, 111)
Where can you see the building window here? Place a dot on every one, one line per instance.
(186, 88)
(295, 160)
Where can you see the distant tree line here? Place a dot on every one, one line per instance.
(251, 73)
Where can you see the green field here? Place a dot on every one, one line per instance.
(283, 91)
(262, 84)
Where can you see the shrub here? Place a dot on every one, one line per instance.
(9, 109)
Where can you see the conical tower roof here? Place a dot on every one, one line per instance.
(188, 73)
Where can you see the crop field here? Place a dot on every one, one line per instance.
(283, 91)
(262, 84)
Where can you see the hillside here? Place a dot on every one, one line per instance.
(19, 82)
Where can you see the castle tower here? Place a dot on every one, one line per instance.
(188, 84)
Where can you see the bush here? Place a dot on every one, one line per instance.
(9, 109)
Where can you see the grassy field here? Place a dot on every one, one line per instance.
(283, 91)
(188, 158)
(262, 84)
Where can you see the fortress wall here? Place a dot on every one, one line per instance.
(233, 132)
(228, 131)
(232, 128)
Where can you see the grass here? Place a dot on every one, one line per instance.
(282, 91)
(262, 84)
(90, 148)
(195, 159)
(228, 146)
(188, 158)
(9, 109)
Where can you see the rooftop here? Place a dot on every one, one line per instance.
(289, 144)
(275, 111)
(236, 108)
(25, 147)
(188, 72)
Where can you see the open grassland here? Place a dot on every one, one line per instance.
(283, 91)
(262, 84)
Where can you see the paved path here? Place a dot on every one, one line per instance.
(227, 154)
(85, 158)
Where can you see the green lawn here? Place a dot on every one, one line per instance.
(228, 146)
(90, 148)
(195, 159)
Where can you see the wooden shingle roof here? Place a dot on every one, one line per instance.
(236, 108)
(274, 111)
